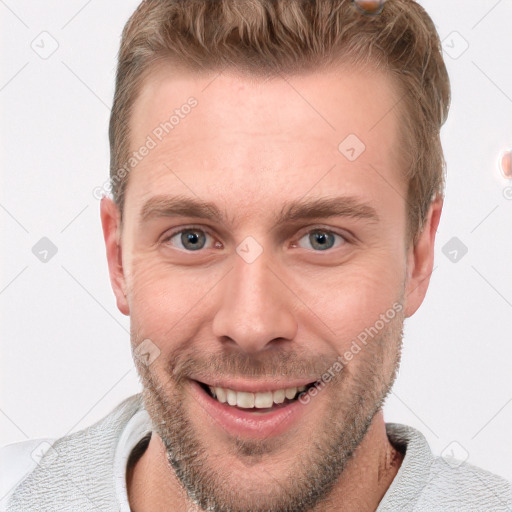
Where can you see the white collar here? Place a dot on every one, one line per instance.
(138, 426)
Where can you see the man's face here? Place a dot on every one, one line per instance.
(263, 298)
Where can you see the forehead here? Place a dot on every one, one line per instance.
(323, 132)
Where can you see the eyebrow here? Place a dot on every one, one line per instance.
(183, 206)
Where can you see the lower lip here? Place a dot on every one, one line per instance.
(239, 422)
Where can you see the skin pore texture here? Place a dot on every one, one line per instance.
(251, 146)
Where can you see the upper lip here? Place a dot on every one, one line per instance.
(252, 386)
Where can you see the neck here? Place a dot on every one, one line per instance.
(153, 486)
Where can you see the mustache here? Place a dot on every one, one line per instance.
(276, 363)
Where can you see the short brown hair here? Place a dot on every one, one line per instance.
(269, 37)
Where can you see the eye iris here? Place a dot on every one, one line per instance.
(319, 239)
(193, 237)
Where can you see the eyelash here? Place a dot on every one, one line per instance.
(345, 238)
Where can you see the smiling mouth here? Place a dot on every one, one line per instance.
(269, 400)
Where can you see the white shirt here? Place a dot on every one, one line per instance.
(86, 471)
(17, 460)
(138, 426)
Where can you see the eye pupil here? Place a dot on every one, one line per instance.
(193, 237)
(321, 238)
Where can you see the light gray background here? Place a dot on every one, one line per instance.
(66, 361)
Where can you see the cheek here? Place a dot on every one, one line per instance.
(168, 303)
(353, 297)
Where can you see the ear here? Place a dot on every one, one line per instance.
(111, 224)
(420, 260)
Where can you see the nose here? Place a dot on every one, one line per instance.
(256, 306)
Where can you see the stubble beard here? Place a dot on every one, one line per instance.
(310, 472)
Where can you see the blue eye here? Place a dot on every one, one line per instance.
(322, 239)
(191, 239)
(194, 239)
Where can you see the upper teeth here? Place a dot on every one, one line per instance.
(258, 400)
